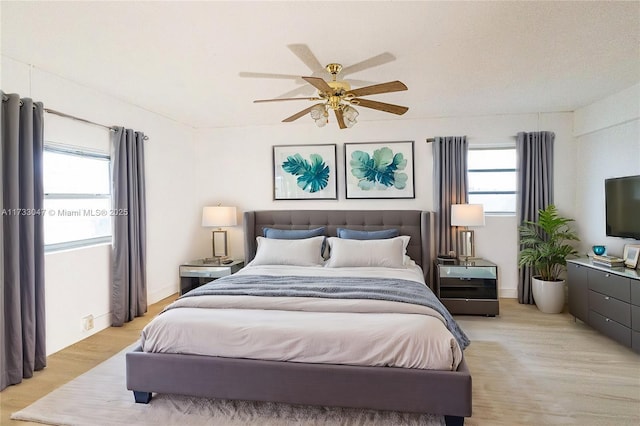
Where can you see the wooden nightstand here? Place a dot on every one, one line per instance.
(198, 272)
(469, 288)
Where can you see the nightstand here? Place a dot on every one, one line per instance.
(468, 288)
(198, 272)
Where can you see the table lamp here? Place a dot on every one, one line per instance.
(219, 216)
(467, 215)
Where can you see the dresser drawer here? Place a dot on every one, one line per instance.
(610, 307)
(635, 318)
(608, 327)
(635, 341)
(635, 292)
(610, 285)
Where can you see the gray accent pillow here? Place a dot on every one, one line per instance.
(293, 234)
(352, 234)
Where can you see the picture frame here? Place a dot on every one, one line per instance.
(379, 170)
(630, 256)
(305, 172)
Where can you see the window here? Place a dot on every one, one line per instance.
(77, 198)
(492, 179)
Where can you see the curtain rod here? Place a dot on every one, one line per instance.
(430, 140)
(62, 114)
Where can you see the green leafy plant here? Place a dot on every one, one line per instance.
(312, 177)
(383, 168)
(546, 244)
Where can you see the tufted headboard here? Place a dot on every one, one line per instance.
(415, 223)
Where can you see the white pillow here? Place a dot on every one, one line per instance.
(385, 253)
(405, 243)
(304, 252)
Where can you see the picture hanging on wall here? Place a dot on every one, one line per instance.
(379, 170)
(304, 172)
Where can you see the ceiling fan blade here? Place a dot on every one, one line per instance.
(394, 109)
(392, 86)
(298, 114)
(268, 75)
(257, 101)
(374, 61)
(360, 83)
(305, 90)
(319, 84)
(340, 119)
(303, 53)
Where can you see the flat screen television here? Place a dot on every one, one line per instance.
(622, 197)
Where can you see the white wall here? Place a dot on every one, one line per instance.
(234, 167)
(77, 281)
(608, 140)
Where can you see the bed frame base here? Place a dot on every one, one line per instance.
(445, 393)
(453, 421)
(145, 398)
(142, 397)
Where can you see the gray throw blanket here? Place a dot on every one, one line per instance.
(393, 290)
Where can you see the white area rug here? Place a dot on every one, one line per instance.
(100, 397)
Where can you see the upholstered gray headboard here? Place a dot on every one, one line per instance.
(415, 223)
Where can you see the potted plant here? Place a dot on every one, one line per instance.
(545, 248)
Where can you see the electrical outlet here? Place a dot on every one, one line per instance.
(87, 323)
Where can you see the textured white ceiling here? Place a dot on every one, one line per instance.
(183, 59)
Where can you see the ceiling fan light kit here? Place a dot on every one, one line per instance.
(338, 96)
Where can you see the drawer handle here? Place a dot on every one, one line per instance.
(606, 319)
(607, 275)
(606, 298)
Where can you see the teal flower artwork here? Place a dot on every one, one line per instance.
(382, 170)
(311, 176)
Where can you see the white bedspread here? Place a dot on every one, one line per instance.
(313, 330)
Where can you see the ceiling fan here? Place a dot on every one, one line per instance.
(338, 96)
(308, 58)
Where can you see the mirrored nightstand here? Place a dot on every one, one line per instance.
(468, 288)
(198, 272)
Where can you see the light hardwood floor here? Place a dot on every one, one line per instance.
(528, 368)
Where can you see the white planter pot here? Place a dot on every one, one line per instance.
(548, 295)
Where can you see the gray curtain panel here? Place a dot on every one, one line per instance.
(451, 187)
(22, 325)
(129, 279)
(535, 189)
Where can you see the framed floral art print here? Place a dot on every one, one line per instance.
(304, 172)
(379, 170)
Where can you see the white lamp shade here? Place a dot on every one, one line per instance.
(219, 216)
(467, 215)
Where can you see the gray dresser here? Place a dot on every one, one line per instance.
(608, 299)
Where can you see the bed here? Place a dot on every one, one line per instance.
(307, 381)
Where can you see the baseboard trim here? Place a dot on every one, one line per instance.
(508, 293)
(162, 293)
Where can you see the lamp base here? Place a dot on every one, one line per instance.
(219, 260)
(466, 244)
(219, 244)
